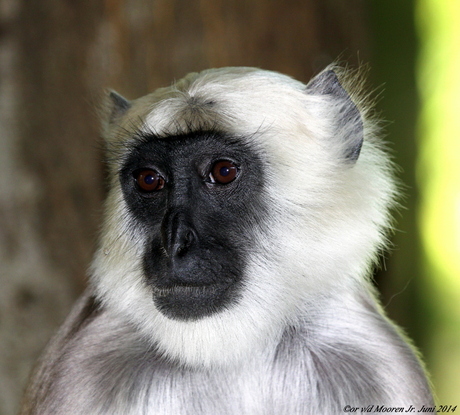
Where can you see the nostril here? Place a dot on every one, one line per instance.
(178, 233)
(181, 251)
(189, 238)
(185, 243)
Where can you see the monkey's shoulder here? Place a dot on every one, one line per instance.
(93, 350)
(352, 350)
(47, 368)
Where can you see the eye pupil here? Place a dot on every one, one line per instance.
(224, 171)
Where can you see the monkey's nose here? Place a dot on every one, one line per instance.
(178, 235)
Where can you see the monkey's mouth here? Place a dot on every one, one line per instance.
(183, 289)
(193, 301)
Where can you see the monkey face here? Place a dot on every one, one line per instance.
(236, 197)
(196, 199)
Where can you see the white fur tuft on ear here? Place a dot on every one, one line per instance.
(113, 107)
(346, 116)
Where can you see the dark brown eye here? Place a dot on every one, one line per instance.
(223, 172)
(149, 180)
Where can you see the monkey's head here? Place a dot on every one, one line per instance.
(236, 197)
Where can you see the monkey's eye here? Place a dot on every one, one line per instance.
(223, 172)
(149, 180)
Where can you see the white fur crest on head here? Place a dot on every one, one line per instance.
(326, 226)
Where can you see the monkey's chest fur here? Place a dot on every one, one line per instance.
(104, 366)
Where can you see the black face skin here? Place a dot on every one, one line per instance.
(198, 198)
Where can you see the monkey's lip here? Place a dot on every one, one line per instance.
(189, 302)
(190, 289)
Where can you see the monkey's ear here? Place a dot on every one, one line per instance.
(116, 106)
(348, 121)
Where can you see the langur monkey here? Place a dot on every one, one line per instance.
(245, 214)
